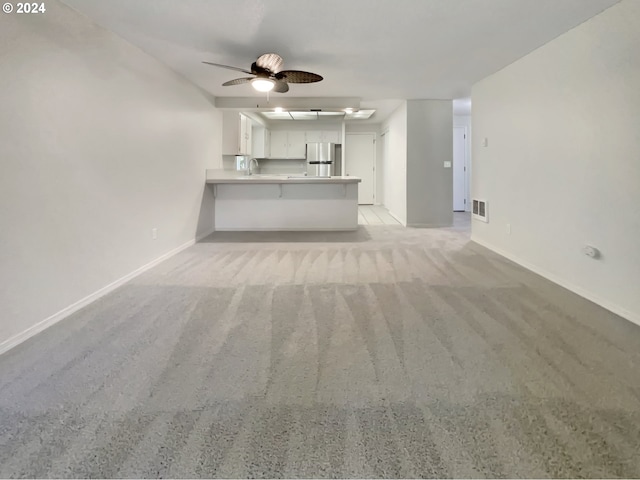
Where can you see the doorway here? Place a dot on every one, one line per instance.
(460, 200)
(360, 160)
(462, 162)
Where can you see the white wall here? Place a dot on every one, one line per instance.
(429, 146)
(99, 143)
(562, 164)
(395, 163)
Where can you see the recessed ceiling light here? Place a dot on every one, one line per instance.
(348, 110)
(278, 109)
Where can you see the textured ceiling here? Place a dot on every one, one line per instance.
(372, 49)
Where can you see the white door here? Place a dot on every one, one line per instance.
(459, 154)
(360, 157)
(279, 144)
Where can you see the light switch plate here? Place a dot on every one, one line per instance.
(447, 164)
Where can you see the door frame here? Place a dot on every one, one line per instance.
(467, 167)
(375, 159)
(465, 172)
(382, 162)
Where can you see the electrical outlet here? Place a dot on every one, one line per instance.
(154, 233)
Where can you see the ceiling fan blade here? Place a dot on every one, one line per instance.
(270, 61)
(298, 76)
(238, 81)
(229, 67)
(280, 87)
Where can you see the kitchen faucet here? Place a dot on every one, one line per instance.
(250, 164)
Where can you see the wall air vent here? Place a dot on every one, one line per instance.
(480, 211)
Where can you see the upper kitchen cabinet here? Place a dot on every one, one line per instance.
(260, 141)
(332, 136)
(297, 144)
(236, 134)
(279, 144)
(288, 144)
(319, 136)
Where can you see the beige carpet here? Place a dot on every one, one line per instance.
(386, 352)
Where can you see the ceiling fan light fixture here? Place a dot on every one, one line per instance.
(268, 75)
(263, 84)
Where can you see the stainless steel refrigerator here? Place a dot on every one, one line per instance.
(324, 159)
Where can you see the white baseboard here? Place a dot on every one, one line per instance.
(612, 307)
(65, 312)
(429, 225)
(200, 237)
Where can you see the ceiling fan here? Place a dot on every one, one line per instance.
(268, 75)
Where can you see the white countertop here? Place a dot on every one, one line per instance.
(220, 176)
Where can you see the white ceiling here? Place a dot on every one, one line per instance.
(372, 49)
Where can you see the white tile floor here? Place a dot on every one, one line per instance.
(375, 215)
(379, 215)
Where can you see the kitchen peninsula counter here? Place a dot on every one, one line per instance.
(263, 202)
(266, 178)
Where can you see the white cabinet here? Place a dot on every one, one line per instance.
(288, 144)
(332, 136)
(297, 144)
(267, 142)
(260, 141)
(236, 134)
(315, 136)
(279, 144)
(244, 139)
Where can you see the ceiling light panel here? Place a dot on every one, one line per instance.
(276, 115)
(304, 115)
(359, 115)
